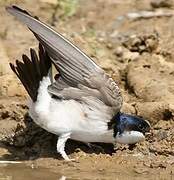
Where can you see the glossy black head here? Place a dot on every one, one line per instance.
(126, 122)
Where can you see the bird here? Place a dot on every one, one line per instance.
(81, 102)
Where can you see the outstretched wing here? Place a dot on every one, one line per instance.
(79, 75)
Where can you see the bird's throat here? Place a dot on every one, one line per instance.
(129, 137)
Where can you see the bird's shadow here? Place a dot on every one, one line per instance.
(30, 142)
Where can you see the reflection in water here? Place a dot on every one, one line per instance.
(63, 178)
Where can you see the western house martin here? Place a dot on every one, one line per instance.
(82, 102)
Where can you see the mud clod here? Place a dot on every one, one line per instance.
(142, 43)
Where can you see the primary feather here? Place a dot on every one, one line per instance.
(77, 70)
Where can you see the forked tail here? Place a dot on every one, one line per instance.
(32, 70)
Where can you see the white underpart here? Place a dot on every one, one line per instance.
(71, 119)
(130, 137)
(66, 118)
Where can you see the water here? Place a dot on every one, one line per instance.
(23, 172)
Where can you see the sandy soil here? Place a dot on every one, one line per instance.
(136, 51)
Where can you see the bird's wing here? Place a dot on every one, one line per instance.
(79, 73)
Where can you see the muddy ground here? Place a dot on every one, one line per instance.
(137, 50)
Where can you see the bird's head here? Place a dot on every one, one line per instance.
(129, 129)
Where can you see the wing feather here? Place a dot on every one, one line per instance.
(75, 67)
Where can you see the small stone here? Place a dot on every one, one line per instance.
(109, 46)
(118, 51)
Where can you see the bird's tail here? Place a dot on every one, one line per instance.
(32, 70)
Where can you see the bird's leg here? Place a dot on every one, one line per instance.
(61, 145)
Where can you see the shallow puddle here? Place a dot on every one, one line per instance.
(22, 171)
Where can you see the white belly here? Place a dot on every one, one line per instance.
(68, 116)
(61, 116)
